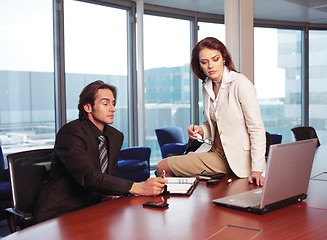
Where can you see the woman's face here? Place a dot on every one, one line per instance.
(212, 63)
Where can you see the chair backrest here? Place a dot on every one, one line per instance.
(268, 143)
(171, 134)
(28, 173)
(134, 164)
(276, 138)
(4, 173)
(2, 162)
(135, 153)
(303, 133)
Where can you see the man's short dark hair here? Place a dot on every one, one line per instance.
(88, 96)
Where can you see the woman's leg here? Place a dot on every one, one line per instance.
(163, 166)
(193, 164)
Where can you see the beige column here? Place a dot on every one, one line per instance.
(239, 34)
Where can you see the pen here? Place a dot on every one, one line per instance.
(193, 127)
(229, 181)
(202, 171)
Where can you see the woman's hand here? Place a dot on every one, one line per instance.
(194, 130)
(256, 178)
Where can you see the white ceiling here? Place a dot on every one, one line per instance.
(309, 11)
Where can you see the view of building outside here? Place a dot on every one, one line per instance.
(277, 78)
(167, 77)
(92, 53)
(318, 83)
(27, 118)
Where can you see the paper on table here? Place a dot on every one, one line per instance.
(179, 180)
(178, 188)
(179, 185)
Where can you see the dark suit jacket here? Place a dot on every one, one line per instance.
(76, 180)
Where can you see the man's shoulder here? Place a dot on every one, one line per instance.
(112, 131)
(73, 126)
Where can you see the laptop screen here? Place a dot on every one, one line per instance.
(288, 170)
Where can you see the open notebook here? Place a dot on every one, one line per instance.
(180, 185)
(287, 179)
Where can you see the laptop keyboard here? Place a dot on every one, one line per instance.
(246, 199)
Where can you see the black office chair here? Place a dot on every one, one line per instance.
(302, 133)
(29, 171)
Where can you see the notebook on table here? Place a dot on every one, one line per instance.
(286, 181)
(179, 185)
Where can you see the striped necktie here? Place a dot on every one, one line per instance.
(103, 153)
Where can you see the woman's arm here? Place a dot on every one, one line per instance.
(255, 127)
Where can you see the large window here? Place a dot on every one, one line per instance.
(277, 77)
(167, 76)
(98, 40)
(207, 29)
(318, 83)
(26, 75)
(96, 49)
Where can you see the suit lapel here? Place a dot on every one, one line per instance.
(224, 92)
(112, 146)
(223, 98)
(206, 102)
(92, 142)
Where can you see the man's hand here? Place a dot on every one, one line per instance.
(257, 178)
(151, 187)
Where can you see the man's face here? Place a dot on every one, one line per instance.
(102, 112)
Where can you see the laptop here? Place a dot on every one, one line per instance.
(286, 181)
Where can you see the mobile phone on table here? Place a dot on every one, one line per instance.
(155, 204)
(209, 176)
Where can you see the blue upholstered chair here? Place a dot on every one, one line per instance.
(270, 140)
(5, 190)
(276, 138)
(134, 164)
(171, 141)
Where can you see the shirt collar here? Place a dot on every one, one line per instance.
(208, 83)
(96, 132)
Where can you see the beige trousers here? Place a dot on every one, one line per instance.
(194, 163)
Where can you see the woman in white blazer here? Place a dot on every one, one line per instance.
(232, 126)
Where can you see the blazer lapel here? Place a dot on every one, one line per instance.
(92, 142)
(224, 92)
(223, 97)
(112, 146)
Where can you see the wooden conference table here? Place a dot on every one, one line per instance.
(193, 217)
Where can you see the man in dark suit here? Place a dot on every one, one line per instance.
(77, 178)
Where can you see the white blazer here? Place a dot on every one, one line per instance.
(239, 123)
